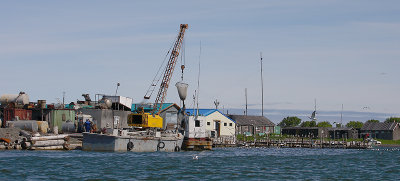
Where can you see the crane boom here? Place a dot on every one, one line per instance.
(153, 119)
(162, 92)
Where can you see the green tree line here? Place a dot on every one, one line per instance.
(293, 121)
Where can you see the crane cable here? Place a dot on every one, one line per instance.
(157, 77)
(183, 58)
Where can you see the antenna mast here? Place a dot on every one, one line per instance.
(245, 94)
(198, 83)
(262, 87)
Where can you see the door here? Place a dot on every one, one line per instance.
(218, 128)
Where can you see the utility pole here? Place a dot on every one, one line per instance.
(63, 97)
(262, 87)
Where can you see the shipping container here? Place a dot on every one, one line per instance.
(59, 116)
(12, 113)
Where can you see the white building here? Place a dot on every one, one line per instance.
(217, 125)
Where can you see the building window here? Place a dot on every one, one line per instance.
(197, 123)
(225, 124)
(230, 124)
(208, 123)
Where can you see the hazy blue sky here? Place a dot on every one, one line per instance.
(339, 52)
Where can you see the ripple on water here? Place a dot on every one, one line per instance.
(220, 164)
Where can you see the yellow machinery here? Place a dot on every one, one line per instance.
(153, 119)
(145, 120)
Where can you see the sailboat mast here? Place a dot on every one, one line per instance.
(341, 116)
(315, 105)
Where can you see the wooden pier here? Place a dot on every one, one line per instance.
(306, 143)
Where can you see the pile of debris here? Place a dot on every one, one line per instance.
(10, 138)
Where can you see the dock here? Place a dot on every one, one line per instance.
(304, 143)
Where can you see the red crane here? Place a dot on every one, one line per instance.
(169, 69)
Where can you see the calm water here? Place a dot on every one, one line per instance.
(220, 164)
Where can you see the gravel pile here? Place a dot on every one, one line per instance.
(10, 133)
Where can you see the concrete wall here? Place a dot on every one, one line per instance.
(103, 118)
(227, 126)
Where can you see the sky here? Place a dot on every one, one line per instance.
(335, 51)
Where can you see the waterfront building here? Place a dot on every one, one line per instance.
(311, 132)
(386, 131)
(251, 125)
(218, 126)
(340, 133)
(172, 116)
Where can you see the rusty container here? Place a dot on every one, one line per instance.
(12, 113)
(42, 104)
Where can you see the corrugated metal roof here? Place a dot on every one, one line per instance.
(340, 129)
(202, 112)
(206, 112)
(379, 126)
(252, 120)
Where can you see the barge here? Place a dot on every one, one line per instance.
(122, 141)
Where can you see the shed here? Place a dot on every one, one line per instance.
(253, 124)
(313, 132)
(339, 133)
(385, 130)
(59, 116)
(171, 114)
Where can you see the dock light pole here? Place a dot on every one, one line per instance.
(116, 90)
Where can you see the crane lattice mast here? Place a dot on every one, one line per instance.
(162, 92)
